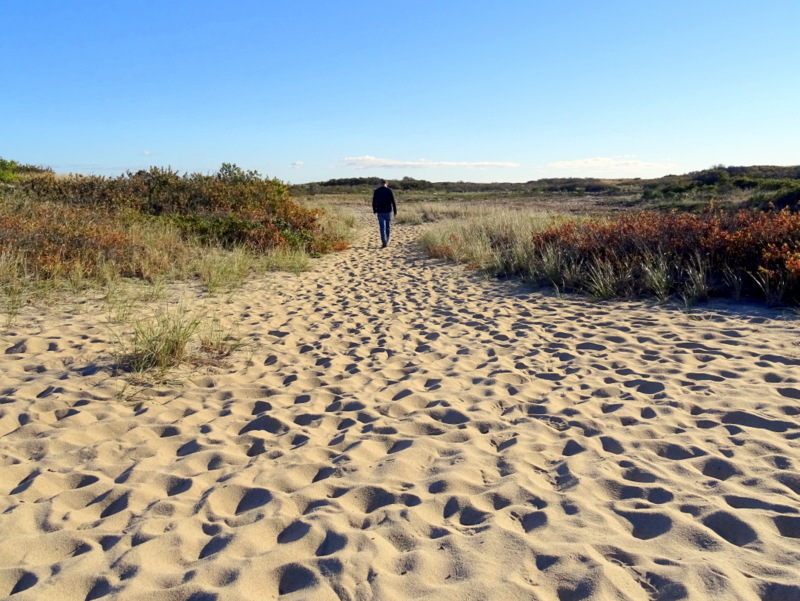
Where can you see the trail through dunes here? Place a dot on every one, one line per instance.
(408, 430)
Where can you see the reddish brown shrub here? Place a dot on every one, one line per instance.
(755, 243)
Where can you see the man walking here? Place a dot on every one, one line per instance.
(383, 206)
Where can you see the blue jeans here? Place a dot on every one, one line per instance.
(385, 225)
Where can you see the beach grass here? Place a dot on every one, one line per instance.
(689, 256)
(172, 335)
(161, 341)
(487, 238)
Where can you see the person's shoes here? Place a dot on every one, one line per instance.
(384, 245)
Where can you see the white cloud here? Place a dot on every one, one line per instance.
(626, 165)
(147, 153)
(370, 162)
(297, 164)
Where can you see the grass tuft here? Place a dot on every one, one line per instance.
(174, 336)
(491, 239)
(285, 259)
(225, 270)
(217, 341)
(658, 275)
(160, 342)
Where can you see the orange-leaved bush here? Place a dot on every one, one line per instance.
(231, 207)
(58, 224)
(735, 251)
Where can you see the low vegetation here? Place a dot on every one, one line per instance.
(494, 240)
(67, 234)
(76, 232)
(160, 342)
(12, 171)
(431, 212)
(747, 252)
(630, 238)
(230, 208)
(729, 187)
(85, 230)
(171, 336)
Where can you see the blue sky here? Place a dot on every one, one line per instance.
(469, 90)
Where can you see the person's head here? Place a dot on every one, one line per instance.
(384, 182)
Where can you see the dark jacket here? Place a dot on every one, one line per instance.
(383, 201)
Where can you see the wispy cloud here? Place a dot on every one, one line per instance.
(624, 165)
(297, 164)
(147, 153)
(370, 162)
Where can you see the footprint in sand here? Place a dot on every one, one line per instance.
(409, 429)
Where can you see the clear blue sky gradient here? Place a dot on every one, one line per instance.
(441, 90)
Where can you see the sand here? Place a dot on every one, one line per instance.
(408, 430)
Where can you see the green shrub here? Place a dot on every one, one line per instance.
(7, 174)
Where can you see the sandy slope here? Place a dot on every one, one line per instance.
(410, 431)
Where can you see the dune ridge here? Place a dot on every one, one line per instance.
(408, 430)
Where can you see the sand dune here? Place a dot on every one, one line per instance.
(406, 430)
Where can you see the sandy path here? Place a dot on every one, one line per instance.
(409, 431)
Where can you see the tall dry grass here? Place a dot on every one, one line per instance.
(431, 212)
(495, 240)
(335, 219)
(688, 256)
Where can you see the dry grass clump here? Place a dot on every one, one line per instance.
(285, 259)
(744, 253)
(431, 212)
(172, 336)
(491, 239)
(160, 342)
(218, 341)
(335, 220)
(220, 269)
